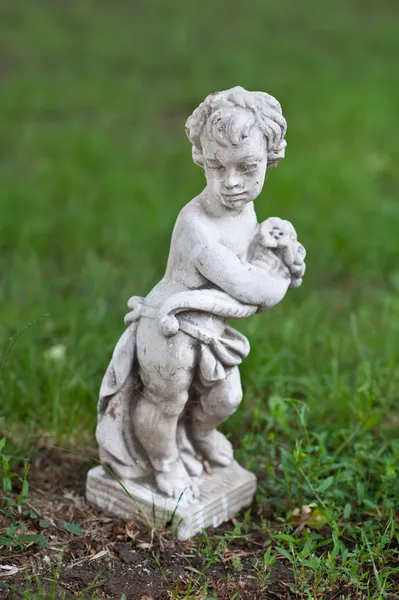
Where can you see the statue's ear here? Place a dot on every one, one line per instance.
(274, 157)
(198, 157)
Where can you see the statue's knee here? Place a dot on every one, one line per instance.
(227, 402)
(175, 404)
(234, 398)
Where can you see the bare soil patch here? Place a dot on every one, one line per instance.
(103, 557)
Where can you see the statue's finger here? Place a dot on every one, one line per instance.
(296, 270)
(300, 255)
(296, 283)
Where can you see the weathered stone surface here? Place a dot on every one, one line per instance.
(173, 377)
(221, 496)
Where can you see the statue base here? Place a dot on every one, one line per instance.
(222, 494)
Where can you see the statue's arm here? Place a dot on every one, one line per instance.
(243, 281)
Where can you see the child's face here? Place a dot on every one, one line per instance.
(235, 174)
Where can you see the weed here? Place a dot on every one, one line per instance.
(211, 549)
(12, 505)
(263, 569)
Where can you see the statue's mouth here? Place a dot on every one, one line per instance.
(235, 198)
(236, 201)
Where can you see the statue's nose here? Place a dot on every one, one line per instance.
(231, 179)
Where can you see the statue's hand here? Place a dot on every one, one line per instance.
(275, 264)
(298, 267)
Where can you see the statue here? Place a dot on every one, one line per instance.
(173, 377)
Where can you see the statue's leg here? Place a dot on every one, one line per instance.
(188, 453)
(166, 368)
(215, 404)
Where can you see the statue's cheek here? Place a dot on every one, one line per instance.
(215, 184)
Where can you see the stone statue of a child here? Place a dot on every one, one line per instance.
(174, 373)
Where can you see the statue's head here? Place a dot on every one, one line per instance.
(236, 135)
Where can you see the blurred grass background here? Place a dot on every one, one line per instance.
(94, 167)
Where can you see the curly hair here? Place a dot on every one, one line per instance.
(217, 116)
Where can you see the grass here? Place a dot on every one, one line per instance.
(94, 168)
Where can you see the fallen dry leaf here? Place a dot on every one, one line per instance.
(8, 570)
(308, 515)
(99, 555)
(144, 546)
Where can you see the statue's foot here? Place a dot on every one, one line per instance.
(176, 481)
(215, 447)
(194, 466)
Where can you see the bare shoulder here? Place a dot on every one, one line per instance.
(194, 221)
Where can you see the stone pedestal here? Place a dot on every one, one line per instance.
(223, 494)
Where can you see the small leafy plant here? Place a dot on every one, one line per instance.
(263, 569)
(12, 505)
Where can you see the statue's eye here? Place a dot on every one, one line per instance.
(216, 166)
(248, 167)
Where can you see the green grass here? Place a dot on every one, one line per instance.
(94, 167)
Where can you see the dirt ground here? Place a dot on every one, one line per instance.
(107, 557)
